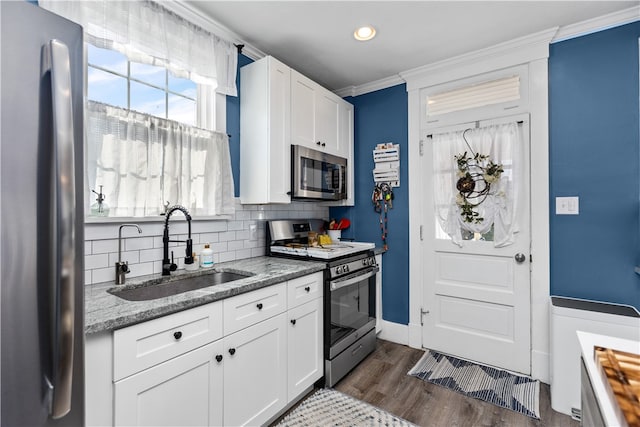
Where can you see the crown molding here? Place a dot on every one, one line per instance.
(370, 87)
(507, 54)
(600, 23)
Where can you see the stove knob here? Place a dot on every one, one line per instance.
(365, 262)
(339, 269)
(346, 268)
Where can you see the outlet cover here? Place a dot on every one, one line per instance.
(567, 205)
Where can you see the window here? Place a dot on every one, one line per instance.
(114, 80)
(153, 82)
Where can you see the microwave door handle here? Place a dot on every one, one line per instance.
(337, 284)
(55, 60)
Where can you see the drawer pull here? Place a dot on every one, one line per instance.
(259, 305)
(308, 289)
(232, 351)
(219, 358)
(293, 321)
(177, 335)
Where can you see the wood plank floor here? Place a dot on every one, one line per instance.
(382, 380)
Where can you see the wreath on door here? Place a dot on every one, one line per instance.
(476, 173)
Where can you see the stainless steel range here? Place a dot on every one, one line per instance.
(349, 291)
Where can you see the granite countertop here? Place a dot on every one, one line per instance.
(104, 311)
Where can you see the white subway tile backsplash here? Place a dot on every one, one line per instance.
(96, 261)
(149, 255)
(227, 256)
(235, 245)
(104, 246)
(137, 243)
(230, 239)
(132, 257)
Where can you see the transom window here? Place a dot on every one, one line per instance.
(113, 79)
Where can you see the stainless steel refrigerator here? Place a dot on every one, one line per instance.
(41, 216)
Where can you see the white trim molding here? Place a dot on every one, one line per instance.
(600, 23)
(514, 52)
(370, 87)
(394, 332)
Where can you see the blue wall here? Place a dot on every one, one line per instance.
(594, 154)
(382, 116)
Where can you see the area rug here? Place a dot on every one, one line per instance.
(328, 407)
(502, 388)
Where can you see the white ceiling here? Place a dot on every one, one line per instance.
(316, 37)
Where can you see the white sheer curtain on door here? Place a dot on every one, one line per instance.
(503, 145)
(147, 32)
(144, 161)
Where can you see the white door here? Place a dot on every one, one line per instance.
(477, 295)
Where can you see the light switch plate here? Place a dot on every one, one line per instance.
(568, 205)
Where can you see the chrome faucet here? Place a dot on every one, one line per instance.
(167, 264)
(122, 267)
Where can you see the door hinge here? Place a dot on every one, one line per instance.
(421, 237)
(422, 313)
(421, 147)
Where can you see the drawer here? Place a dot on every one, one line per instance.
(146, 344)
(304, 289)
(252, 307)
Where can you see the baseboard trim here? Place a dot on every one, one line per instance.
(394, 332)
(540, 366)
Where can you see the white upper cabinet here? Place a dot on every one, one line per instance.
(265, 122)
(315, 116)
(280, 107)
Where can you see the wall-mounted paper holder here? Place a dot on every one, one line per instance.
(386, 157)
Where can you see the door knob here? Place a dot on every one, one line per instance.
(520, 258)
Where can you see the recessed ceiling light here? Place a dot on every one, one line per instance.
(364, 33)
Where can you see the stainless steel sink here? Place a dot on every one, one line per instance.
(159, 290)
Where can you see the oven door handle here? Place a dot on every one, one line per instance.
(337, 284)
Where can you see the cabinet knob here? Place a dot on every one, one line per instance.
(293, 321)
(219, 358)
(259, 305)
(318, 143)
(323, 144)
(232, 351)
(308, 289)
(177, 335)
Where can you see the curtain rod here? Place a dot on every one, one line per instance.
(518, 122)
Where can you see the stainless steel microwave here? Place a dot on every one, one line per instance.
(316, 175)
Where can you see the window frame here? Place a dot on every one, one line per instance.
(211, 114)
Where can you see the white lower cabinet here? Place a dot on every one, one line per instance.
(255, 372)
(304, 347)
(192, 368)
(184, 391)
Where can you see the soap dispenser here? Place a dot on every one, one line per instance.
(206, 256)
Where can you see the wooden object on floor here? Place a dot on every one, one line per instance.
(621, 373)
(382, 380)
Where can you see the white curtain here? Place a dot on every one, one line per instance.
(148, 33)
(144, 161)
(503, 145)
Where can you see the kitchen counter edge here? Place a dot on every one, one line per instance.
(105, 312)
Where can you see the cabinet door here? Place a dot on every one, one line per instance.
(304, 347)
(303, 111)
(184, 391)
(265, 129)
(327, 111)
(255, 376)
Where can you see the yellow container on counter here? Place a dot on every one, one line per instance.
(324, 239)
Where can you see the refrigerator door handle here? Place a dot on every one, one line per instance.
(55, 60)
